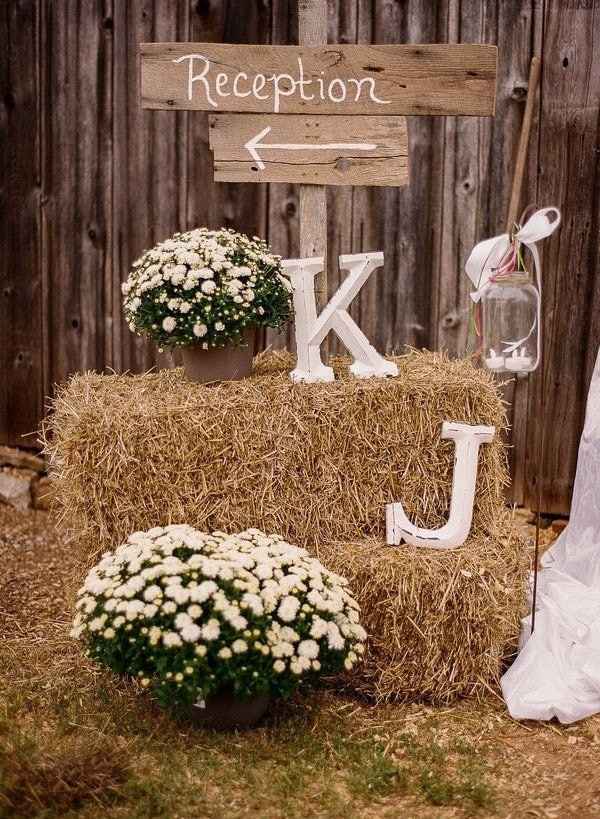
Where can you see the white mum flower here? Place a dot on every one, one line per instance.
(208, 287)
(318, 628)
(225, 653)
(200, 330)
(202, 592)
(219, 326)
(278, 666)
(169, 324)
(191, 633)
(171, 639)
(154, 635)
(252, 602)
(308, 648)
(182, 620)
(152, 592)
(211, 630)
(239, 646)
(282, 649)
(288, 609)
(335, 640)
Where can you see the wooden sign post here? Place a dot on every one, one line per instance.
(312, 31)
(316, 114)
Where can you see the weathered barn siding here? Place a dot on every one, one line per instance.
(88, 180)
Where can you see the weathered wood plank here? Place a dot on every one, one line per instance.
(77, 184)
(569, 178)
(21, 339)
(376, 79)
(408, 232)
(312, 31)
(342, 28)
(321, 150)
(525, 22)
(283, 198)
(150, 159)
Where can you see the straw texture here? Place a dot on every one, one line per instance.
(316, 463)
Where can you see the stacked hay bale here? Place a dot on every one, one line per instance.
(317, 463)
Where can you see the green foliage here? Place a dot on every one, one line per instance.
(206, 288)
(193, 614)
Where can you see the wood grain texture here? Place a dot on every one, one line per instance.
(312, 31)
(339, 150)
(80, 154)
(283, 198)
(150, 164)
(21, 339)
(570, 178)
(77, 185)
(340, 79)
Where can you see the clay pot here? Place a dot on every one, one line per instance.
(225, 711)
(219, 363)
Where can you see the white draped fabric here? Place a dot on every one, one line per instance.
(557, 671)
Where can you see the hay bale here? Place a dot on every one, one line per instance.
(440, 624)
(316, 463)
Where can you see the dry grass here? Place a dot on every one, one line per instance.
(316, 463)
(440, 624)
(77, 743)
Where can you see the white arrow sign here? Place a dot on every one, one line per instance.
(256, 141)
(309, 149)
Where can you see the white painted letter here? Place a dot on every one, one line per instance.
(312, 329)
(302, 82)
(282, 92)
(258, 84)
(192, 78)
(456, 530)
(236, 90)
(220, 83)
(370, 80)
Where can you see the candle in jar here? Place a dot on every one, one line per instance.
(518, 362)
(494, 361)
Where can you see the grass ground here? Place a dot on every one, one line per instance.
(77, 742)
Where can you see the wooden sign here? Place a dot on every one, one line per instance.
(333, 79)
(315, 150)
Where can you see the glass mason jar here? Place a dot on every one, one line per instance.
(510, 320)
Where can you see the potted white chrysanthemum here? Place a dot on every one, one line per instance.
(217, 624)
(206, 292)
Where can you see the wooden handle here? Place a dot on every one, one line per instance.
(515, 196)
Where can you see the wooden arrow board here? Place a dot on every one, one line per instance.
(335, 79)
(310, 150)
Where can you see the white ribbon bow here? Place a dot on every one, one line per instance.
(486, 256)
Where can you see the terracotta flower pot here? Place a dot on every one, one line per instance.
(225, 711)
(219, 363)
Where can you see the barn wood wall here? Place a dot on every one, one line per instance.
(88, 181)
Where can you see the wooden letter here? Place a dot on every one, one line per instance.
(455, 532)
(312, 329)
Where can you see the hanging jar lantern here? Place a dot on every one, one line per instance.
(510, 320)
(508, 299)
